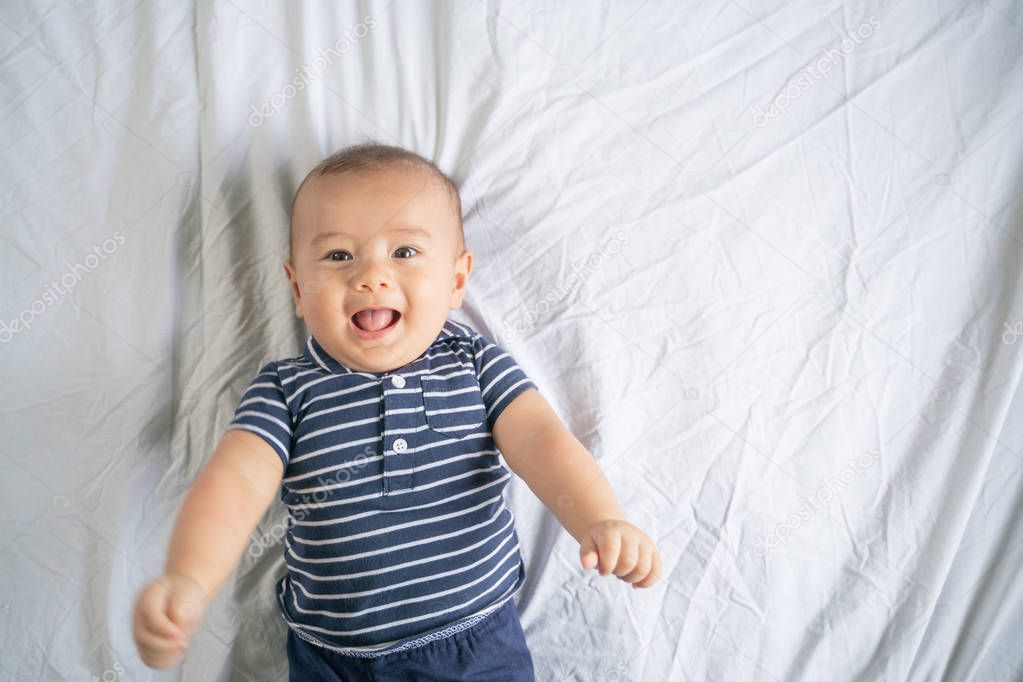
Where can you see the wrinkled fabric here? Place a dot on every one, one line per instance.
(763, 259)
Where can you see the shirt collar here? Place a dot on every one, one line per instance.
(317, 355)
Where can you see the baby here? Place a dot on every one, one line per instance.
(384, 440)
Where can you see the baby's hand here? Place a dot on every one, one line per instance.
(617, 546)
(166, 614)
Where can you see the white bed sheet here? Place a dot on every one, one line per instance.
(735, 307)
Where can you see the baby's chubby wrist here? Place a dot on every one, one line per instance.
(188, 596)
(604, 526)
(184, 578)
(609, 520)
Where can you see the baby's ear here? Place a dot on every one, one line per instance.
(458, 294)
(296, 292)
(463, 266)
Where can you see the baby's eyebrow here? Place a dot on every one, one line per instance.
(323, 236)
(412, 231)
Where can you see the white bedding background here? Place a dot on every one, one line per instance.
(764, 258)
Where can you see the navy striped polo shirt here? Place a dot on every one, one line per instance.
(398, 533)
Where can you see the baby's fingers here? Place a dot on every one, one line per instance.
(642, 566)
(161, 657)
(655, 571)
(627, 557)
(609, 549)
(151, 617)
(159, 649)
(158, 643)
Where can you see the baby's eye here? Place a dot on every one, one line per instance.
(338, 252)
(406, 248)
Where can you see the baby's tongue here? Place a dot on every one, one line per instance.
(372, 320)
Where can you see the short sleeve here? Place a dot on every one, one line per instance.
(501, 379)
(263, 410)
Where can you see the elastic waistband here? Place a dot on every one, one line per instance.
(411, 644)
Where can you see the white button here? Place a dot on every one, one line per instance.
(400, 445)
(398, 381)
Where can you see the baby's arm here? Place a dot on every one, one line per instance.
(222, 508)
(564, 475)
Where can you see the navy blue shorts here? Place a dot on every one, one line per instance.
(493, 649)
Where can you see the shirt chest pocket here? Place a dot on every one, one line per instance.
(453, 404)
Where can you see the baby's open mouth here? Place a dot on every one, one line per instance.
(375, 319)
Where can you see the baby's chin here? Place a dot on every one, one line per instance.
(381, 356)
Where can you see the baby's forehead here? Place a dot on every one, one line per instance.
(379, 175)
(318, 192)
(422, 183)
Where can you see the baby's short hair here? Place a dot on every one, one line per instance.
(376, 156)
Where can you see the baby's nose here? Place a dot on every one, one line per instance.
(373, 277)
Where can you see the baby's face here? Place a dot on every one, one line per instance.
(387, 240)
